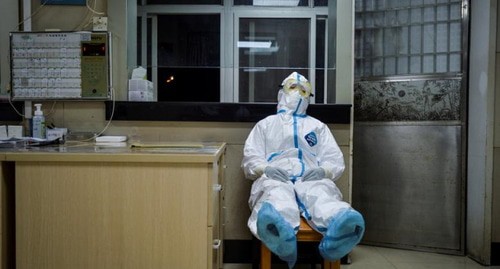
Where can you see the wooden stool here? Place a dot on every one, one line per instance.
(305, 234)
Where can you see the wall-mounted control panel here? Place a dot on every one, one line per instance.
(60, 65)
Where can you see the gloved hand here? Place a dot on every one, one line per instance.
(314, 174)
(276, 173)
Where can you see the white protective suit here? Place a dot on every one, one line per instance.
(296, 143)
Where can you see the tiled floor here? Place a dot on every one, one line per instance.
(388, 258)
(368, 257)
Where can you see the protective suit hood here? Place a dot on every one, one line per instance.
(293, 97)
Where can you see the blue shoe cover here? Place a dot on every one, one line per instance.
(343, 234)
(277, 234)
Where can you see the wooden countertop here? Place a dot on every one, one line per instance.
(92, 152)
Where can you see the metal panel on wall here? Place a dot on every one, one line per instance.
(407, 184)
(409, 131)
(408, 100)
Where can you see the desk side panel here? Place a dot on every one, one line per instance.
(111, 215)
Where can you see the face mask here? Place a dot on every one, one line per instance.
(303, 88)
(292, 99)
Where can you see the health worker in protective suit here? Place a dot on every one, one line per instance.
(294, 160)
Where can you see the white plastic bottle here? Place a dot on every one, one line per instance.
(38, 122)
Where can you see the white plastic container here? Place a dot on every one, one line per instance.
(38, 122)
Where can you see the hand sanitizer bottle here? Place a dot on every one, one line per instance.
(38, 122)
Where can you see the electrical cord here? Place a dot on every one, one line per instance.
(31, 15)
(88, 18)
(93, 9)
(9, 97)
(109, 121)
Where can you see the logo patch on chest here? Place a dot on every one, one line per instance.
(311, 139)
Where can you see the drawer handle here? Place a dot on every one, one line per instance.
(217, 187)
(217, 243)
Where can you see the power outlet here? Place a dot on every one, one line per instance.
(100, 23)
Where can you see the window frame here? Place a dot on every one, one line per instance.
(274, 14)
(230, 16)
(124, 25)
(365, 26)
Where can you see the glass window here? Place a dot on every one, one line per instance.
(271, 2)
(425, 36)
(188, 53)
(321, 61)
(184, 2)
(239, 53)
(269, 50)
(320, 3)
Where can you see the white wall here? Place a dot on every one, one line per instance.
(480, 126)
(496, 144)
(345, 52)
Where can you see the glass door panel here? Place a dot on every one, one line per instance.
(269, 49)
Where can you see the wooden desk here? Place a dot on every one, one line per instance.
(95, 207)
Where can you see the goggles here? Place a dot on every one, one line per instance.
(303, 87)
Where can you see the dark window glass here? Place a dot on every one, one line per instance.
(270, 3)
(185, 60)
(189, 58)
(320, 60)
(149, 47)
(184, 2)
(185, 84)
(139, 40)
(320, 3)
(269, 50)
